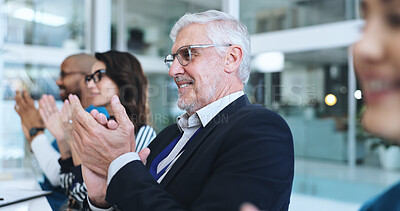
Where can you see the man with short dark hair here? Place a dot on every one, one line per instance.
(71, 81)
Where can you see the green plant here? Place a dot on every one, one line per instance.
(381, 142)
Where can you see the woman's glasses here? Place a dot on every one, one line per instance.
(96, 76)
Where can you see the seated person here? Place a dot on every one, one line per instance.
(222, 152)
(71, 81)
(114, 73)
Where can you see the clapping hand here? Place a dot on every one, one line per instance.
(30, 117)
(99, 142)
(102, 119)
(97, 145)
(66, 115)
(52, 118)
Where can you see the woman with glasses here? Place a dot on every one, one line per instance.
(115, 73)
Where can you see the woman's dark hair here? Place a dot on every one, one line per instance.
(125, 70)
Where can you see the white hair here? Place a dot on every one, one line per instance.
(222, 28)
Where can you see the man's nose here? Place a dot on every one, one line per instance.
(176, 68)
(58, 82)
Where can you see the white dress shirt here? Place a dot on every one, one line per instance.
(47, 158)
(188, 125)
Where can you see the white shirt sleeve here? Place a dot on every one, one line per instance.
(47, 158)
(120, 162)
(93, 208)
(114, 167)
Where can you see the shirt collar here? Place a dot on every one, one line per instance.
(207, 113)
(185, 121)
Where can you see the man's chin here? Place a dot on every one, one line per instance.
(183, 105)
(188, 106)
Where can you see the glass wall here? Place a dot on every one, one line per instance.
(39, 34)
(39, 79)
(56, 23)
(271, 15)
(148, 23)
(163, 95)
(301, 93)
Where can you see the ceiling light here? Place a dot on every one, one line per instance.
(39, 17)
(270, 62)
(358, 94)
(330, 99)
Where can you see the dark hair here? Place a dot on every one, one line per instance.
(125, 70)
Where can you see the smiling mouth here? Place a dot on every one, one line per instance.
(184, 85)
(381, 86)
(182, 82)
(94, 94)
(374, 90)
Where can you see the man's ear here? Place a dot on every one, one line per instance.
(233, 59)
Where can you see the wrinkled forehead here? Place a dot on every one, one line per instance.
(190, 35)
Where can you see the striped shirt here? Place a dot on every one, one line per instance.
(71, 176)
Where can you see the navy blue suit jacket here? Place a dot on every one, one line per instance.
(244, 154)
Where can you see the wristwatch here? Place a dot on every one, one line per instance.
(33, 131)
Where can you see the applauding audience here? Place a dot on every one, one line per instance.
(115, 73)
(71, 81)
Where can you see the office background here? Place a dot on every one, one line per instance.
(301, 68)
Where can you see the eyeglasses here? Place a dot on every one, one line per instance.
(184, 54)
(96, 76)
(63, 74)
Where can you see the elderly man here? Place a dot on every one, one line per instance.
(222, 152)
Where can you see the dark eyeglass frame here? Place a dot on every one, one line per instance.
(169, 59)
(100, 73)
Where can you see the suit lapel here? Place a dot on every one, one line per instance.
(202, 135)
(162, 141)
